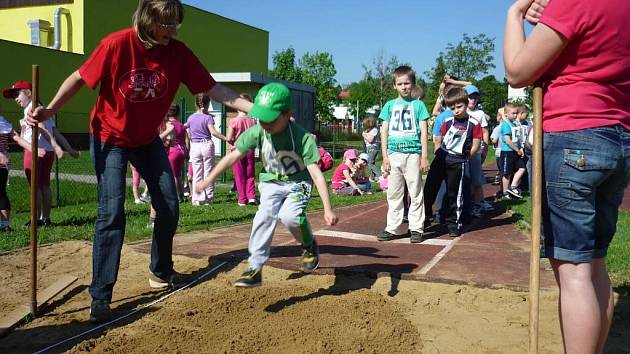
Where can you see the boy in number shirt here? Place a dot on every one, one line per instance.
(404, 148)
(289, 156)
(460, 140)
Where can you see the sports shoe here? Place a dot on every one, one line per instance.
(145, 198)
(405, 219)
(454, 231)
(100, 311)
(138, 201)
(310, 257)
(252, 202)
(251, 278)
(514, 192)
(485, 206)
(476, 211)
(173, 280)
(416, 237)
(385, 236)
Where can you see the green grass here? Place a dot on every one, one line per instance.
(618, 258)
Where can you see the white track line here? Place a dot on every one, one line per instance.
(201, 277)
(438, 257)
(364, 237)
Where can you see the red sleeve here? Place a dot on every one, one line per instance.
(477, 132)
(568, 17)
(195, 75)
(444, 128)
(95, 67)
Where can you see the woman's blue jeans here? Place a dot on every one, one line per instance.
(110, 163)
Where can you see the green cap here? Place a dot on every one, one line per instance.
(272, 100)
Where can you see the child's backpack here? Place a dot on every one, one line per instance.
(325, 162)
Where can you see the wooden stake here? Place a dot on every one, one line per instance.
(34, 209)
(534, 264)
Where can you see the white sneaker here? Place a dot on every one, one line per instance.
(138, 201)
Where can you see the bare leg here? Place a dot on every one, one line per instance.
(583, 320)
(516, 181)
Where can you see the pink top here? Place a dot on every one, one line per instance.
(589, 83)
(338, 179)
(180, 134)
(240, 124)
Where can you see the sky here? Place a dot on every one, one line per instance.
(355, 32)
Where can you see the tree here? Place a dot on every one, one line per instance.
(284, 66)
(493, 95)
(467, 60)
(470, 58)
(318, 70)
(363, 94)
(382, 69)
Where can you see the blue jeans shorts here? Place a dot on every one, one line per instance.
(585, 174)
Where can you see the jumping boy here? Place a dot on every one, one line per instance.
(289, 156)
(404, 148)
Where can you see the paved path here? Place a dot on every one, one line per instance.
(495, 255)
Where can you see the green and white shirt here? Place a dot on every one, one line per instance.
(403, 118)
(284, 155)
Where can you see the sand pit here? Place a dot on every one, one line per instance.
(291, 313)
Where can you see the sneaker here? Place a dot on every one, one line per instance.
(173, 280)
(405, 219)
(251, 278)
(476, 211)
(416, 237)
(138, 201)
(485, 206)
(514, 192)
(252, 202)
(5, 228)
(40, 222)
(241, 204)
(145, 198)
(454, 231)
(100, 311)
(310, 257)
(385, 236)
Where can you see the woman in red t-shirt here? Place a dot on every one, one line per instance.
(138, 71)
(581, 53)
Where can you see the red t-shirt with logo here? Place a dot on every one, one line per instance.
(589, 83)
(137, 86)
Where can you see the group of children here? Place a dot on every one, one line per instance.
(513, 143)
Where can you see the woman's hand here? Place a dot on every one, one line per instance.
(535, 11)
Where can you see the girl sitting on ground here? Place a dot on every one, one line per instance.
(342, 182)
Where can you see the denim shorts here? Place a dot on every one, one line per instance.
(585, 174)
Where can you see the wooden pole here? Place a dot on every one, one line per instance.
(34, 209)
(534, 264)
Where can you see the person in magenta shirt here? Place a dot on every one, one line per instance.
(201, 129)
(341, 180)
(244, 170)
(177, 146)
(580, 51)
(138, 71)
